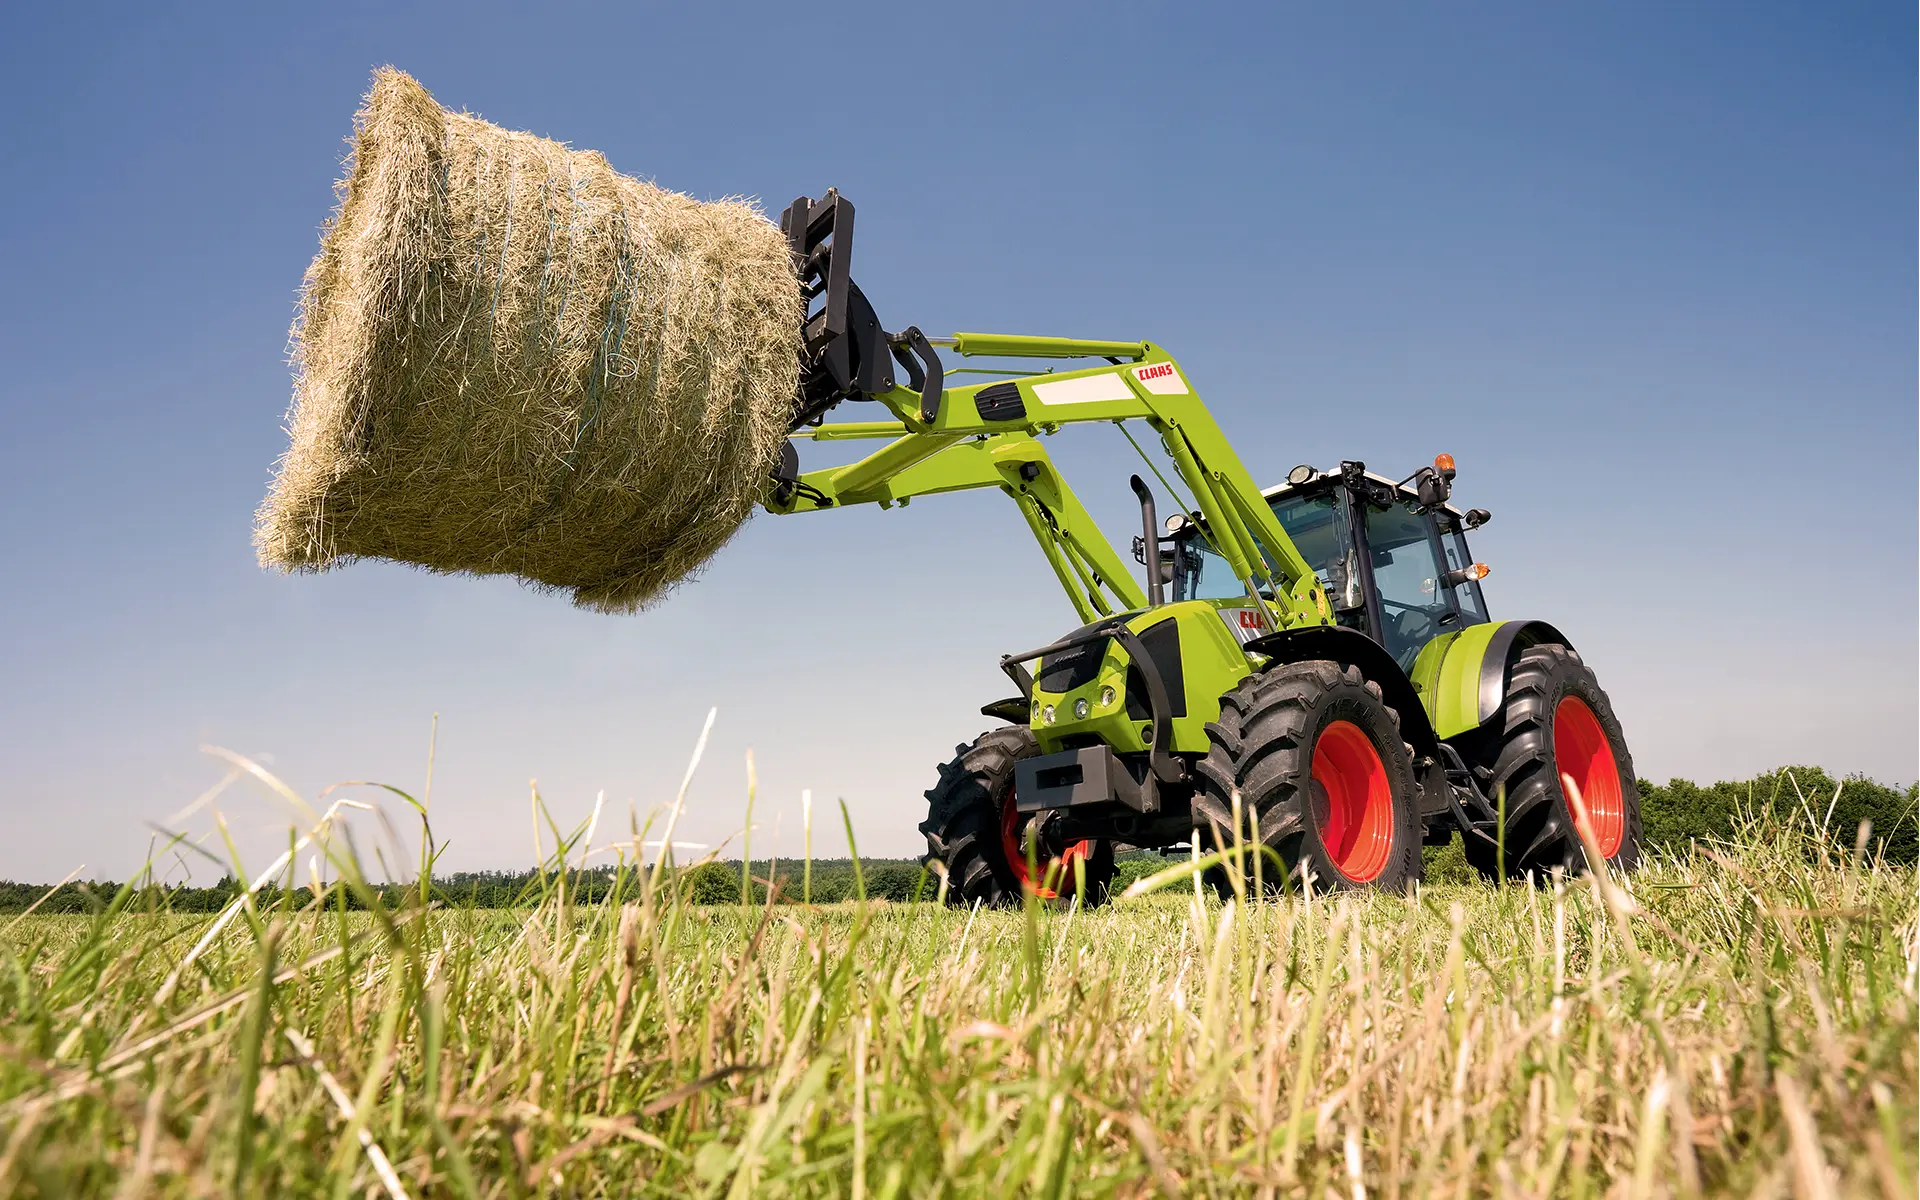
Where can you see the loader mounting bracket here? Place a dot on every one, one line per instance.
(844, 353)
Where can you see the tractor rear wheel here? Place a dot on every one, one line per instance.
(1316, 756)
(973, 827)
(1557, 723)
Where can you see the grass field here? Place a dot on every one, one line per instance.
(1741, 1021)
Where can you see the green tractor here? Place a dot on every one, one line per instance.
(1311, 668)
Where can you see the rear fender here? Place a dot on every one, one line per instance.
(1468, 686)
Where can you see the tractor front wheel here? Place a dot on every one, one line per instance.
(974, 828)
(1557, 725)
(1316, 757)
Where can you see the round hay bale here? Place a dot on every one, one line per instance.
(512, 359)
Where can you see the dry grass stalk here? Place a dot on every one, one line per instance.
(514, 360)
(1729, 1023)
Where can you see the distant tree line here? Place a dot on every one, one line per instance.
(1680, 811)
(831, 880)
(1675, 814)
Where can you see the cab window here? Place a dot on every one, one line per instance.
(1414, 605)
(1320, 530)
(1473, 606)
(1203, 574)
(1316, 524)
(1318, 527)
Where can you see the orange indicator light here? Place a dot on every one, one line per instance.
(1443, 463)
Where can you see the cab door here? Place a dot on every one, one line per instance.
(1409, 580)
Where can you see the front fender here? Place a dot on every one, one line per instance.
(1354, 649)
(1462, 678)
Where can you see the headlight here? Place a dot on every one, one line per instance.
(1081, 709)
(1046, 715)
(1106, 697)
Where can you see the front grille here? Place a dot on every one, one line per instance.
(1162, 644)
(1074, 667)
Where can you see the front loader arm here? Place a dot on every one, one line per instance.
(985, 435)
(1093, 575)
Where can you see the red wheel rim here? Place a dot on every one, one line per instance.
(1056, 874)
(1584, 760)
(1353, 802)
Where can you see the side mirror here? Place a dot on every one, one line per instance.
(1167, 568)
(1476, 517)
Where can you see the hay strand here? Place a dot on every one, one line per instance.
(512, 359)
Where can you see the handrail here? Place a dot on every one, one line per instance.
(1012, 345)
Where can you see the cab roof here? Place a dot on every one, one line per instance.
(1332, 479)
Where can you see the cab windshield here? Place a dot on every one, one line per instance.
(1318, 527)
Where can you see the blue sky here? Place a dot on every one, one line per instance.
(1647, 271)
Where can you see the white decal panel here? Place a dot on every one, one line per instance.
(1244, 624)
(1089, 389)
(1162, 379)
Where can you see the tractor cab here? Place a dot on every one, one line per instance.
(1392, 556)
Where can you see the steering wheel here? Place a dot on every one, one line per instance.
(1412, 624)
